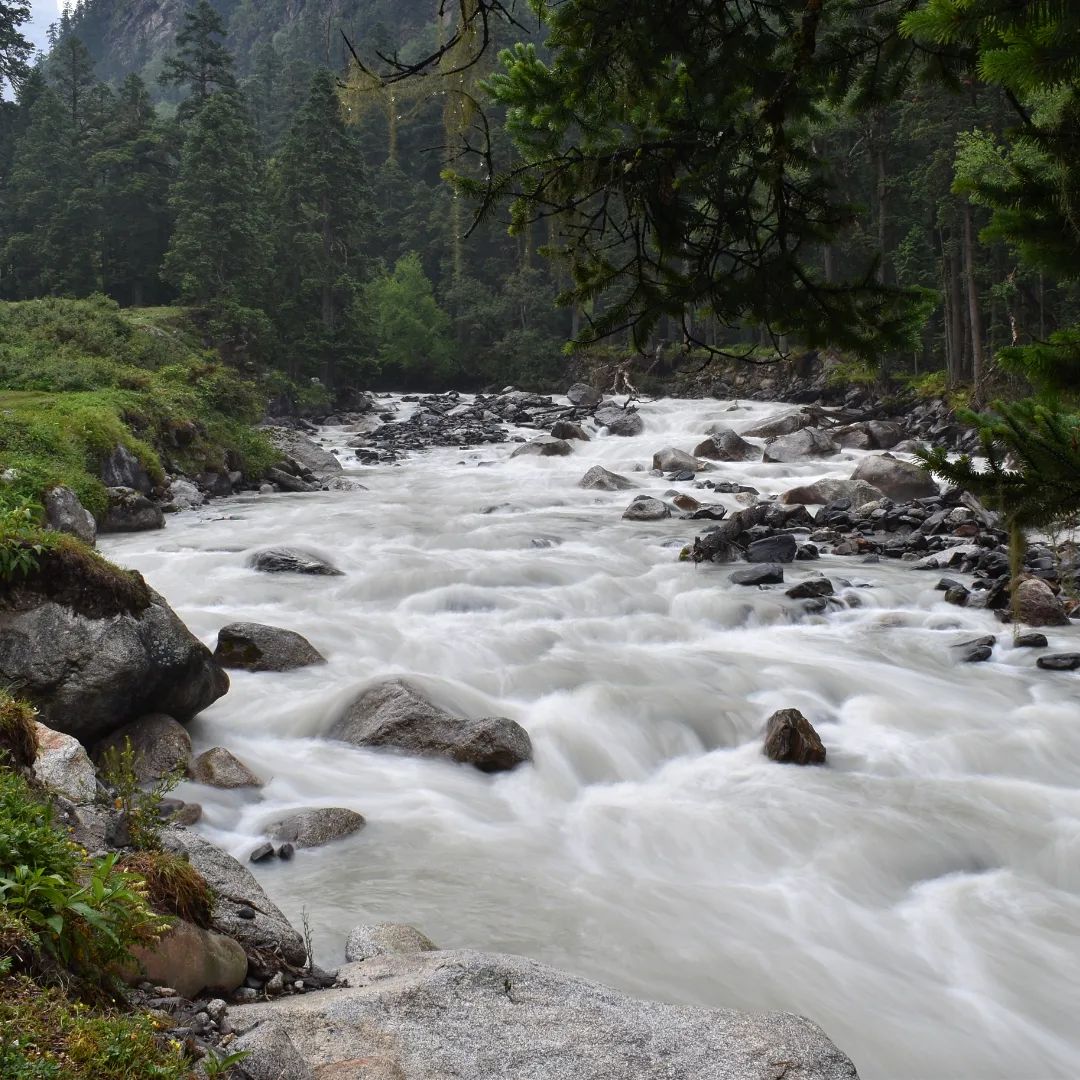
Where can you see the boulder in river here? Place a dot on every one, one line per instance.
(780, 548)
(64, 513)
(791, 738)
(385, 939)
(807, 442)
(811, 589)
(1037, 605)
(645, 508)
(671, 460)
(821, 492)
(256, 647)
(727, 445)
(285, 560)
(395, 714)
(544, 446)
(584, 396)
(564, 429)
(159, 744)
(1059, 662)
(302, 449)
(478, 1016)
(600, 479)
(900, 480)
(221, 768)
(316, 827)
(620, 421)
(784, 423)
(131, 511)
(762, 574)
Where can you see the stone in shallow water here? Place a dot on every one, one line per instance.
(781, 548)
(811, 588)
(791, 739)
(600, 479)
(645, 508)
(313, 828)
(256, 647)
(762, 574)
(220, 768)
(1031, 641)
(1060, 662)
(292, 561)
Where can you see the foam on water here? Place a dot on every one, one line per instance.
(919, 897)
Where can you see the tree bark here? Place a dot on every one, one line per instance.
(974, 310)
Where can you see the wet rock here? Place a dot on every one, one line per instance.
(785, 423)
(481, 1016)
(218, 767)
(763, 574)
(976, 654)
(781, 548)
(644, 508)
(898, 479)
(64, 513)
(385, 939)
(395, 715)
(958, 595)
(809, 442)
(292, 561)
(885, 433)
(62, 766)
(1037, 605)
(1059, 662)
(191, 961)
(687, 503)
(544, 446)
(302, 449)
(261, 853)
(564, 429)
(856, 492)
(270, 1054)
(122, 469)
(584, 396)
(89, 676)
(619, 421)
(314, 828)
(671, 460)
(790, 738)
(241, 909)
(256, 647)
(810, 589)
(184, 495)
(726, 445)
(159, 743)
(1030, 641)
(285, 481)
(131, 511)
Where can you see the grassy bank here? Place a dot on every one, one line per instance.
(80, 377)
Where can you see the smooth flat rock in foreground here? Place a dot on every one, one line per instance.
(476, 1016)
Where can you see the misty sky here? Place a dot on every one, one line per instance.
(44, 12)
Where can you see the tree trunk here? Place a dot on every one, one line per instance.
(974, 310)
(882, 197)
(829, 259)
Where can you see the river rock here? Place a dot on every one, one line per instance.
(184, 495)
(791, 738)
(781, 548)
(395, 714)
(822, 492)
(131, 511)
(1059, 662)
(599, 479)
(480, 1016)
(564, 429)
(1030, 641)
(785, 423)
(584, 396)
(256, 647)
(671, 460)
(807, 442)
(292, 561)
(885, 433)
(544, 446)
(89, 676)
(619, 421)
(220, 768)
(1037, 605)
(644, 508)
(191, 961)
(271, 1055)
(313, 828)
(160, 745)
(64, 513)
(763, 574)
(811, 589)
(726, 445)
(385, 939)
(122, 469)
(900, 480)
(63, 766)
(303, 450)
(265, 933)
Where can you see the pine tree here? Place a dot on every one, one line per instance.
(217, 258)
(202, 64)
(71, 71)
(323, 207)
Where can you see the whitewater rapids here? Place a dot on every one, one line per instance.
(919, 897)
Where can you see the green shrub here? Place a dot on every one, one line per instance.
(173, 885)
(18, 735)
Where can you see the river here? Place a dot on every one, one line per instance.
(919, 896)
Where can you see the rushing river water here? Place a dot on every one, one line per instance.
(919, 897)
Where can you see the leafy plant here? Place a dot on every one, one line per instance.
(20, 542)
(215, 1066)
(140, 806)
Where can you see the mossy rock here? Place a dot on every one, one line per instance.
(18, 732)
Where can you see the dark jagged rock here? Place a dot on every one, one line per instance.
(781, 548)
(620, 421)
(292, 561)
(791, 739)
(64, 513)
(762, 574)
(811, 588)
(584, 396)
(726, 445)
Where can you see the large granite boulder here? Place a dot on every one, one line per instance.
(619, 421)
(285, 560)
(600, 479)
(159, 745)
(314, 828)
(584, 396)
(900, 480)
(242, 910)
(669, 459)
(396, 715)
(804, 443)
(828, 491)
(784, 423)
(544, 446)
(131, 511)
(256, 647)
(383, 939)
(191, 961)
(477, 1016)
(727, 445)
(63, 766)
(89, 675)
(302, 449)
(1037, 605)
(122, 469)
